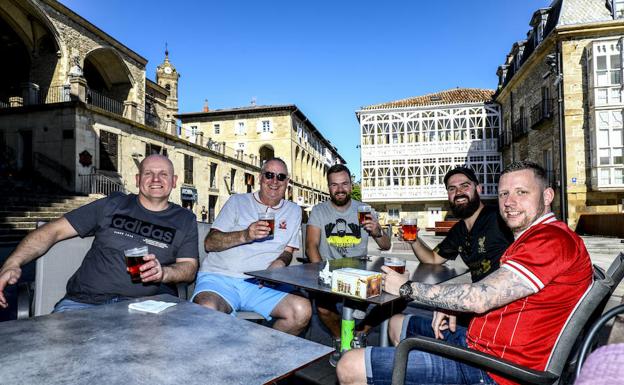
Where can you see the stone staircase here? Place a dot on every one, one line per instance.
(20, 213)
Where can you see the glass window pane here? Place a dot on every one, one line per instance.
(616, 138)
(617, 155)
(615, 77)
(601, 63)
(601, 96)
(615, 61)
(604, 176)
(618, 176)
(603, 138)
(602, 79)
(603, 156)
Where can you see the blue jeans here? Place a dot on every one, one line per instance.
(424, 368)
(68, 305)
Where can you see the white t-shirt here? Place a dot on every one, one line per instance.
(237, 214)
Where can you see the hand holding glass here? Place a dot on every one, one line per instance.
(410, 230)
(134, 260)
(270, 219)
(363, 212)
(395, 263)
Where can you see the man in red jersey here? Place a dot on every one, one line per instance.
(520, 308)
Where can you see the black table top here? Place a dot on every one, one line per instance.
(306, 276)
(185, 344)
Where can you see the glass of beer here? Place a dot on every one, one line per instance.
(363, 212)
(410, 230)
(395, 263)
(134, 260)
(270, 219)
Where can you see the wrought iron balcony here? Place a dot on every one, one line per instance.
(519, 128)
(541, 111)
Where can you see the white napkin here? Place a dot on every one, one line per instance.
(150, 306)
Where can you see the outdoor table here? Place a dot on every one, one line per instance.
(305, 276)
(184, 344)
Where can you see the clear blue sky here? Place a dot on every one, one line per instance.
(327, 57)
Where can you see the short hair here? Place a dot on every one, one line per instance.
(538, 171)
(274, 159)
(336, 169)
(466, 171)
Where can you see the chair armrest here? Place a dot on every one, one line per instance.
(469, 356)
(24, 300)
(182, 288)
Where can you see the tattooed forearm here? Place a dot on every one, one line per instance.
(219, 241)
(496, 290)
(285, 257)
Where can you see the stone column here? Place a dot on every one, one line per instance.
(78, 88)
(30, 93)
(200, 138)
(130, 111)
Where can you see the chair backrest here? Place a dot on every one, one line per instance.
(202, 230)
(579, 321)
(53, 270)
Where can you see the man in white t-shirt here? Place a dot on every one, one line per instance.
(239, 242)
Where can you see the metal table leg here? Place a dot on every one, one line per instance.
(383, 336)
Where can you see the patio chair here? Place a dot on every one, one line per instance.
(52, 271)
(562, 357)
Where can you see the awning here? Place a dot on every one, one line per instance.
(188, 194)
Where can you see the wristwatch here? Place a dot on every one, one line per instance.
(405, 291)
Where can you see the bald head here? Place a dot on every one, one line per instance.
(155, 158)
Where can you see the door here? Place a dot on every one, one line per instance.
(26, 156)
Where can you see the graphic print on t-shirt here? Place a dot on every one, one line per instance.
(342, 235)
(145, 229)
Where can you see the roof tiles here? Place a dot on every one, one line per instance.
(452, 96)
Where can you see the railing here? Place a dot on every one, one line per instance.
(541, 111)
(99, 184)
(4, 104)
(519, 128)
(51, 164)
(59, 94)
(152, 120)
(96, 99)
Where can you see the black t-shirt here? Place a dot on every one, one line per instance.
(482, 247)
(119, 222)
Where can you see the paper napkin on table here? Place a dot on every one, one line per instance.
(150, 306)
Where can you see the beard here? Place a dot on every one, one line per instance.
(463, 211)
(340, 202)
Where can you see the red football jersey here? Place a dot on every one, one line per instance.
(553, 260)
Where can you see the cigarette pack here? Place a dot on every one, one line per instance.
(356, 283)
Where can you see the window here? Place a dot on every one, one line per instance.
(213, 175)
(217, 128)
(266, 126)
(618, 9)
(608, 147)
(188, 169)
(108, 151)
(240, 128)
(393, 214)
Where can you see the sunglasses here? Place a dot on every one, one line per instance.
(270, 175)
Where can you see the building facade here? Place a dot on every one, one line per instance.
(407, 146)
(257, 133)
(560, 92)
(77, 110)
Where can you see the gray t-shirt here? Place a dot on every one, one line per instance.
(341, 234)
(119, 222)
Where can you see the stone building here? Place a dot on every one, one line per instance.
(77, 109)
(408, 145)
(256, 133)
(560, 92)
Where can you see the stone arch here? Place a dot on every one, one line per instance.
(107, 73)
(32, 44)
(266, 152)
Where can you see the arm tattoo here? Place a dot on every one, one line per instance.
(496, 290)
(218, 240)
(285, 257)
